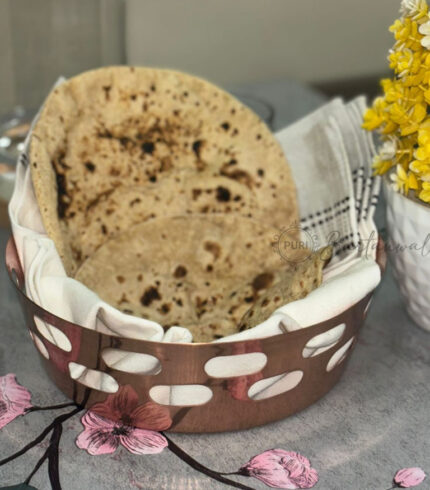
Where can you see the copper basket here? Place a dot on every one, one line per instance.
(230, 408)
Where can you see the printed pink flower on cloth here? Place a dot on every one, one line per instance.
(281, 469)
(121, 420)
(409, 477)
(14, 399)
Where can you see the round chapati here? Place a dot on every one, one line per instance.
(203, 272)
(124, 127)
(181, 193)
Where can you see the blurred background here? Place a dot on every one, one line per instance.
(336, 46)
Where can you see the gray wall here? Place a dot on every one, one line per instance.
(236, 41)
(43, 39)
(227, 41)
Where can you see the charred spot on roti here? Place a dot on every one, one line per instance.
(124, 141)
(148, 147)
(165, 308)
(180, 271)
(222, 194)
(197, 146)
(150, 294)
(105, 134)
(213, 248)
(239, 175)
(137, 200)
(196, 193)
(262, 281)
(123, 299)
(225, 126)
(107, 89)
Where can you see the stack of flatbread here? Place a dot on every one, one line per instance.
(165, 195)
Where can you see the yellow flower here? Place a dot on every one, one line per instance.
(425, 68)
(375, 117)
(400, 61)
(407, 63)
(389, 127)
(408, 120)
(402, 115)
(424, 194)
(402, 181)
(422, 153)
(412, 182)
(381, 166)
(414, 8)
(406, 33)
(420, 168)
(424, 29)
(397, 92)
(405, 149)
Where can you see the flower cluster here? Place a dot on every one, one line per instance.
(402, 114)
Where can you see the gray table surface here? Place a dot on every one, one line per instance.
(374, 422)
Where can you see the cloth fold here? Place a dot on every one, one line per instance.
(330, 157)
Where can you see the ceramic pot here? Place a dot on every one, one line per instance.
(408, 221)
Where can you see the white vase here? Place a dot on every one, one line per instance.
(408, 221)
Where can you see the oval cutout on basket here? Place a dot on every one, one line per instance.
(181, 395)
(275, 385)
(339, 355)
(53, 334)
(93, 379)
(40, 346)
(236, 365)
(131, 362)
(324, 341)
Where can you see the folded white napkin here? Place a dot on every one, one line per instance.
(326, 150)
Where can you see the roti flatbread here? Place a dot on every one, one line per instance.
(201, 272)
(123, 127)
(182, 193)
(288, 286)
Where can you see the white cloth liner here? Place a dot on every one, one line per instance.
(324, 150)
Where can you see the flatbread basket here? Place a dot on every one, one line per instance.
(221, 403)
(116, 171)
